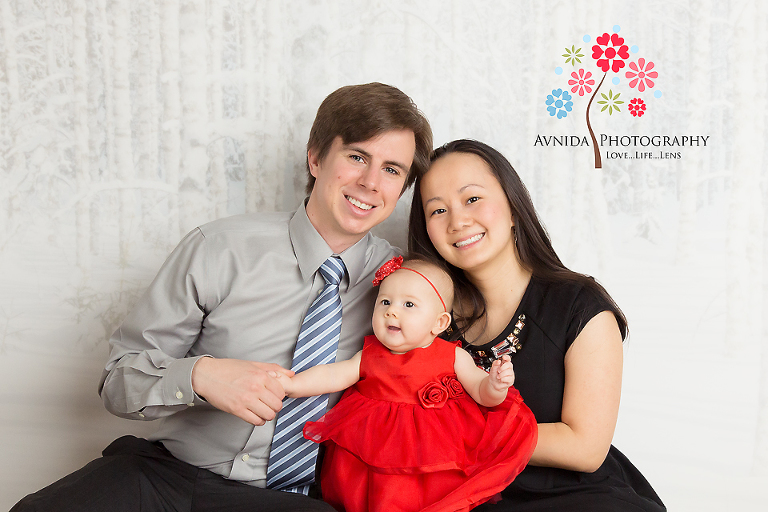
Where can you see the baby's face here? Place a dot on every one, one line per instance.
(407, 312)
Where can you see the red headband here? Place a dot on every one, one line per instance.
(396, 264)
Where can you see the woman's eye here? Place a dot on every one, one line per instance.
(409, 304)
(437, 212)
(473, 199)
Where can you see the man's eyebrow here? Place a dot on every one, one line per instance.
(368, 155)
(462, 189)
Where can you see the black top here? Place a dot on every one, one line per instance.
(549, 318)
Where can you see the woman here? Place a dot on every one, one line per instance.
(563, 330)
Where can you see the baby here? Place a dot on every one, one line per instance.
(409, 434)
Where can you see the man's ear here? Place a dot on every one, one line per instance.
(442, 323)
(313, 162)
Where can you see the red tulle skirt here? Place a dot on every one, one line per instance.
(384, 456)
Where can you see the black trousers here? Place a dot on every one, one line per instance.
(136, 475)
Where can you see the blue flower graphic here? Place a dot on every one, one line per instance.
(559, 103)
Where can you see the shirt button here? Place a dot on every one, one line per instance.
(191, 404)
(179, 395)
(246, 457)
(141, 414)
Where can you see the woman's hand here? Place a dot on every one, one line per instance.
(502, 374)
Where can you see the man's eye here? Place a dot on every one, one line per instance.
(357, 158)
(409, 304)
(392, 170)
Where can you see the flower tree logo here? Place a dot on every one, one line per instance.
(610, 55)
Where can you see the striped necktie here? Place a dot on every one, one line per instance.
(292, 458)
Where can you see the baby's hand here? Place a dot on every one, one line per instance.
(502, 374)
(284, 381)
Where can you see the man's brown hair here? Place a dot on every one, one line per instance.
(358, 113)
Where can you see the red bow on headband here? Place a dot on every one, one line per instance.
(386, 269)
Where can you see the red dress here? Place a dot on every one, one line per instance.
(407, 437)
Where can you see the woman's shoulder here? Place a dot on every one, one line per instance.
(564, 305)
(563, 295)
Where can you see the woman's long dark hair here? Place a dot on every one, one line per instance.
(533, 245)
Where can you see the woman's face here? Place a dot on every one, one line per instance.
(468, 216)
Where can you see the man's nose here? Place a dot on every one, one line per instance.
(369, 179)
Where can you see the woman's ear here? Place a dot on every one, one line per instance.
(442, 323)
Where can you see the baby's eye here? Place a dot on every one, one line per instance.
(409, 304)
(385, 302)
(473, 199)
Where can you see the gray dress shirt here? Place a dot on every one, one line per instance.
(235, 288)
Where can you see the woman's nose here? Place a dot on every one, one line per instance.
(458, 220)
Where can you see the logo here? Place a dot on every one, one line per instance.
(614, 79)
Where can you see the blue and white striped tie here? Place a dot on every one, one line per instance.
(292, 458)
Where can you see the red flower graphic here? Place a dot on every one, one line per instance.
(433, 395)
(637, 107)
(611, 56)
(581, 82)
(454, 387)
(642, 74)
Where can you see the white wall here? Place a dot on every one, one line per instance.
(123, 124)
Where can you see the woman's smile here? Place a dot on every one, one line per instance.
(469, 241)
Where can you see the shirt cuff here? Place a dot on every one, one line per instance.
(177, 384)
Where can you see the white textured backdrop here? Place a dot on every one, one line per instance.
(124, 124)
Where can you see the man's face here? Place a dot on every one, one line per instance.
(357, 185)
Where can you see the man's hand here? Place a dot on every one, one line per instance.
(247, 389)
(502, 375)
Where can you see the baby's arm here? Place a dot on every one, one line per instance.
(487, 389)
(322, 379)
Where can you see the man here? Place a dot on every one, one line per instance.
(203, 347)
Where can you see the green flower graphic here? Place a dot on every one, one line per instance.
(610, 102)
(573, 55)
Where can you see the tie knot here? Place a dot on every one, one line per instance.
(332, 270)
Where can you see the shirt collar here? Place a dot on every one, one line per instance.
(311, 250)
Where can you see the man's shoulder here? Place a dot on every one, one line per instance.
(248, 224)
(378, 246)
(378, 251)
